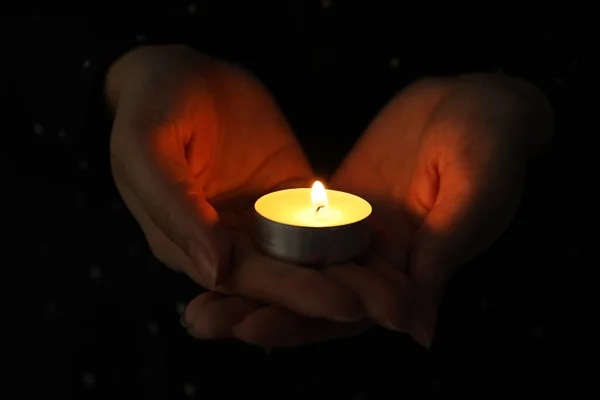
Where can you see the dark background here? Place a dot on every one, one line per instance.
(99, 316)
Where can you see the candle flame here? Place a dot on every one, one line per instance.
(318, 195)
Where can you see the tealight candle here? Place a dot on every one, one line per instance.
(312, 226)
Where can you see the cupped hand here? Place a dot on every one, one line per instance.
(443, 165)
(195, 141)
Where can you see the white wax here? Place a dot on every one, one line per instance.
(294, 207)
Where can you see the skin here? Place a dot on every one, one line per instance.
(196, 141)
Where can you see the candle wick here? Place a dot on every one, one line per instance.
(318, 208)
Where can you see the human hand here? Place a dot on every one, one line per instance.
(195, 141)
(443, 165)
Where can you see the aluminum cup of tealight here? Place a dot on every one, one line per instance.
(312, 226)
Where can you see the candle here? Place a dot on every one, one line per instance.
(314, 226)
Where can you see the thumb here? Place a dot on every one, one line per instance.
(462, 214)
(435, 250)
(190, 221)
(158, 176)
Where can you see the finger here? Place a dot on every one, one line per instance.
(161, 246)
(274, 326)
(148, 155)
(197, 303)
(302, 290)
(418, 308)
(213, 316)
(385, 300)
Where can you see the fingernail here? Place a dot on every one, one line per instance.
(182, 321)
(393, 327)
(201, 256)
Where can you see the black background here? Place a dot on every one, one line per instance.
(98, 315)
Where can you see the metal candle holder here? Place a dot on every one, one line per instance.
(311, 246)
